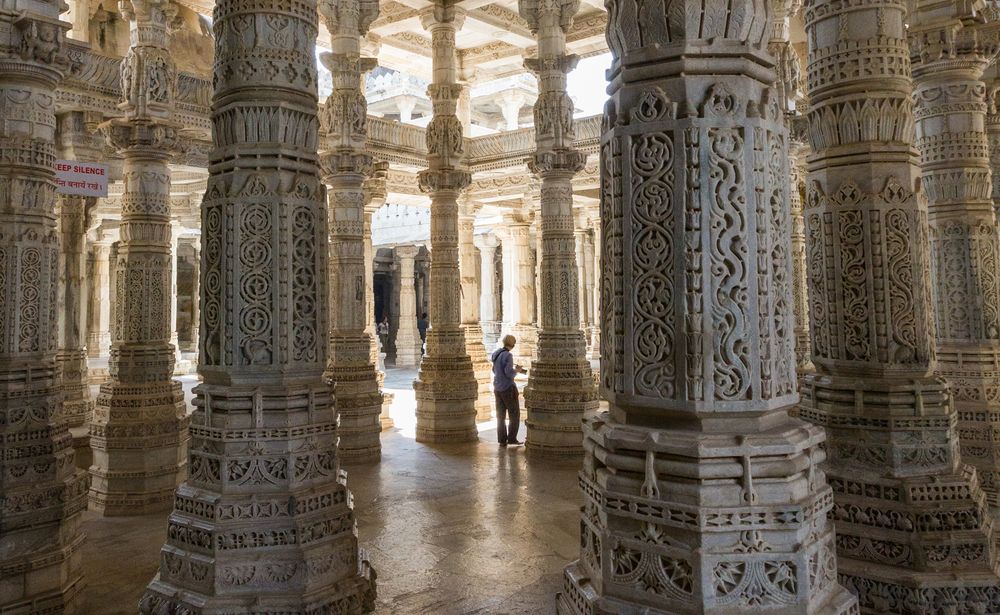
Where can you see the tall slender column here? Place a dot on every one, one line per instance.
(580, 249)
(595, 326)
(560, 384)
(470, 309)
(518, 286)
(912, 527)
(487, 245)
(99, 338)
(446, 388)
(175, 239)
(41, 492)
(196, 294)
(71, 357)
(949, 50)
(407, 337)
(264, 522)
(800, 283)
(701, 493)
(345, 166)
(375, 194)
(587, 298)
(140, 427)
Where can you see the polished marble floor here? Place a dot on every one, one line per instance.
(452, 530)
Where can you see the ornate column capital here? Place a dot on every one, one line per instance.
(486, 242)
(543, 14)
(952, 36)
(441, 14)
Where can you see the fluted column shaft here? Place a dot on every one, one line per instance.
(72, 359)
(698, 453)
(346, 165)
(42, 492)
(595, 327)
(265, 514)
(890, 421)
(446, 388)
(583, 299)
(560, 386)
(951, 134)
(139, 431)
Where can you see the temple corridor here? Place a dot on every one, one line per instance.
(457, 529)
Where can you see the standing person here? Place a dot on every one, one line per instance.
(422, 329)
(383, 331)
(505, 392)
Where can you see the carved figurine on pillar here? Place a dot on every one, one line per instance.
(561, 387)
(446, 388)
(264, 522)
(913, 533)
(345, 167)
(701, 494)
(41, 492)
(140, 432)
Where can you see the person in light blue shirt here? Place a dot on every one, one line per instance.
(505, 392)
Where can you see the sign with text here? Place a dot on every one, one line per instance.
(81, 178)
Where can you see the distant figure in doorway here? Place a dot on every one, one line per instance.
(505, 392)
(422, 329)
(383, 331)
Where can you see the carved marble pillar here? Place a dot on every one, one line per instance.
(800, 283)
(913, 534)
(701, 493)
(345, 166)
(264, 522)
(140, 427)
(470, 309)
(196, 295)
(594, 354)
(41, 492)
(580, 240)
(560, 386)
(964, 239)
(446, 388)
(407, 337)
(518, 287)
(175, 239)
(99, 336)
(487, 245)
(992, 79)
(71, 357)
(375, 194)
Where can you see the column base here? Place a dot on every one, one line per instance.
(913, 527)
(358, 399)
(47, 581)
(43, 497)
(78, 407)
(559, 394)
(264, 521)
(674, 523)
(408, 350)
(483, 370)
(385, 418)
(139, 440)
(446, 391)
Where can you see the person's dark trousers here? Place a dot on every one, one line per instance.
(508, 405)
